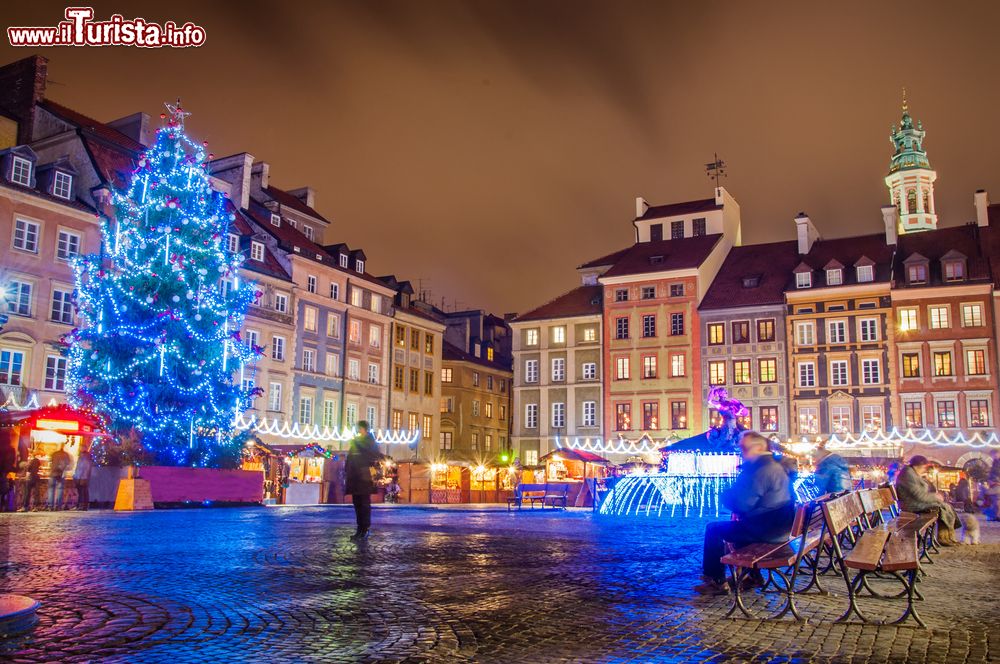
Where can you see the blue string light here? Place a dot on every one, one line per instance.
(160, 307)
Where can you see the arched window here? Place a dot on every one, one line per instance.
(911, 201)
(927, 201)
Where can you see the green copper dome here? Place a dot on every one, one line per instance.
(908, 142)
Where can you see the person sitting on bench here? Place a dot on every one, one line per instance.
(761, 498)
(917, 496)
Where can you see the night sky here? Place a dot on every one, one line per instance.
(490, 147)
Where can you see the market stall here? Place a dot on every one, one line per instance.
(293, 474)
(578, 469)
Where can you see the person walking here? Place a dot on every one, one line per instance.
(833, 475)
(81, 479)
(915, 495)
(59, 463)
(8, 468)
(30, 481)
(359, 480)
(761, 498)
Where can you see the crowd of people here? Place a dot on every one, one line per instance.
(762, 500)
(26, 476)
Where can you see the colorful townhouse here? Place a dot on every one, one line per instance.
(476, 387)
(56, 170)
(416, 335)
(743, 333)
(652, 332)
(558, 374)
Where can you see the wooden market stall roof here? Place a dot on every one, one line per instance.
(576, 455)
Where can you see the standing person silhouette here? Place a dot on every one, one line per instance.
(359, 469)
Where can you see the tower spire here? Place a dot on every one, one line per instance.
(906, 105)
(911, 179)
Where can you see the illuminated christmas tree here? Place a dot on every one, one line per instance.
(158, 352)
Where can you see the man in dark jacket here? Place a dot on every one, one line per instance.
(359, 482)
(916, 495)
(833, 475)
(761, 498)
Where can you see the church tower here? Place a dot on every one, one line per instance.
(911, 179)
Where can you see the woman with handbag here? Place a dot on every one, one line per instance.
(360, 475)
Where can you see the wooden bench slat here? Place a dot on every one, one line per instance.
(900, 552)
(867, 550)
(747, 555)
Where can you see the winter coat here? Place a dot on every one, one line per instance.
(914, 493)
(361, 457)
(59, 463)
(761, 497)
(833, 474)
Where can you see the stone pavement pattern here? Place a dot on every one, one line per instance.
(284, 584)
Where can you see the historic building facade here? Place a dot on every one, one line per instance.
(652, 334)
(558, 373)
(743, 335)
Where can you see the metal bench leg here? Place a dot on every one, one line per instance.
(738, 574)
(911, 610)
(812, 564)
(789, 605)
(852, 606)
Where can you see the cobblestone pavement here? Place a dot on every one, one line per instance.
(284, 584)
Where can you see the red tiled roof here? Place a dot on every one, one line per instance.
(581, 301)
(100, 129)
(933, 245)
(664, 255)
(113, 166)
(676, 209)
(771, 264)
(848, 250)
(282, 197)
(604, 260)
(270, 265)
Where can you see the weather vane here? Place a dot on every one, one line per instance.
(716, 169)
(177, 114)
(906, 105)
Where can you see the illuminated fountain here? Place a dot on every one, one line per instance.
(694, 474)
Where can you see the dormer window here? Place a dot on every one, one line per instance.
(343, 260)
(803, 280)
(752, 281)
(20, 172)
(62, 185)
(917, 274)
(954, 270)
(291, 222)
(308, 232)
(834, 277)
(359, 265)
(233, 243)
(655, 260)
(866, 273)
(275, 219)
(257, 251)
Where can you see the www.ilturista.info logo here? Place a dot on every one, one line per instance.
(79, 29)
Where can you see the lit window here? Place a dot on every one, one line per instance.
(954, 270)
(446, 375)
(678, 414)
(677, 366)
(309, 319)
(741, 332)
(907, 319)
(840, 419)
(590, 334)
(946, 414)
(531, 337)
(911, 365)
(913, 411)
(765, 330)
(305, 410)
(939, 317)
(62, 185)
(274, 397)
(942, 363)
(357, 297)
(649, 366)
(979, 413)
(622, 368)
(768, 418)
(972, 315)
(917, 274)
(559, 335)
(354, 331)
(717, 373)
(741, 372)
(975, 362)
(716, 334)
(767, 370)
(623, 417)
(333, 326)
(21, 172)
(808, 420)
(375, 336)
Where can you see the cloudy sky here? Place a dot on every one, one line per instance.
(487, 148)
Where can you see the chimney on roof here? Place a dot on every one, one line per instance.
(235, 170)
(304, 194)
(890, 217)
(806, 232)
(136, 127)
(22, 86)
(259, 175)
(982, 200)
(640, 206)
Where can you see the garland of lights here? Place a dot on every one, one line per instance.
(621, 446)
(161, 308)
(314, 432)
(895, 437)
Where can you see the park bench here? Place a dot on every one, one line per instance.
(783, 559)
(524, 492)
(886, 550)
(546, 494)
(881, 508)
